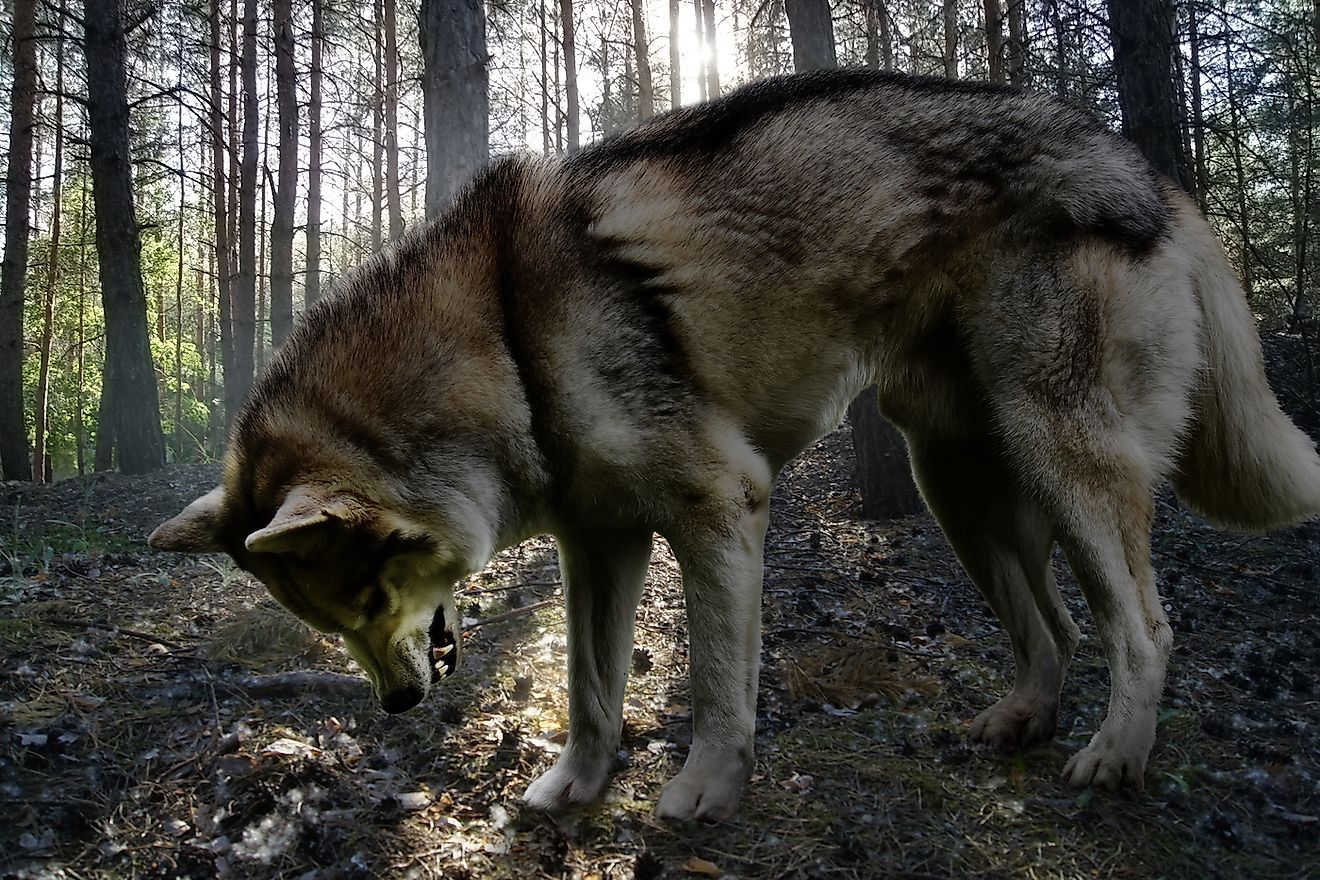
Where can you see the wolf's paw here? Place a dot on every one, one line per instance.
(1107, 764)
(570, 784)
(697, 794)
(1016, 722)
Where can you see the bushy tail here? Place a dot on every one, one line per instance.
(1246, 465)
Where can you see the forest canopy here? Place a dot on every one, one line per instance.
(275, 144)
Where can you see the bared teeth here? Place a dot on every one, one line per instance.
(439, 653)
(442, 668)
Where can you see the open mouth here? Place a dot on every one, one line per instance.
(444, 645)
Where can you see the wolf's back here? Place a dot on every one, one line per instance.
(1246, 465)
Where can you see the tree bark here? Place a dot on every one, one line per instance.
(712, 52)
(393, 202)
(454, 89)
(879, 43)
(642, 50)
(1017, 43)
(14, 461)
(243, 302)
(812, 34)
(378, 129)
(1239, 170)
(569, 38)
(286, 190)
(39, 428)
(883, 473)
(949, 12)
(1198, 117)
(178, 277)
(220, 207)
(675, 59)
(699, 29)
(79, 431)
(130, 402)
(312, 282)
(994, 41)
(1143, 55)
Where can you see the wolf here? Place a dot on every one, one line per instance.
(636, 339)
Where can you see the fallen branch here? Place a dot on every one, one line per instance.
(517, 612)
(70, 623)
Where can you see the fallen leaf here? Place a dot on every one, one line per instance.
(695, 865)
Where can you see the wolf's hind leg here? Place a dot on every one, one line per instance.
(1083, 464)
(603, 572)
(1003, 539)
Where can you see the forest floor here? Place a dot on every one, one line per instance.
(160, 716)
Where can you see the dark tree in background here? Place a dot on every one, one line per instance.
(13, 276)
(456, 105)
(130, 402)
(243, 292)
(1143, 57)
(286, 191)
(812, 34)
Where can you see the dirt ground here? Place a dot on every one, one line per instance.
(160, 716)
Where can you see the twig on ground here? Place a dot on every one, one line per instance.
(509, 615)
(70, 623)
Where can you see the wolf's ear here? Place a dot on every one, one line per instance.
(196, 529)
(300, 522)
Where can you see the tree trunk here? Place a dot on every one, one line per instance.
(79, 431)
(675, 63)
(712, 52)
(220, 187)
(1017, 43)
(699, 28)
(393, 202)
(879, 43)
(994, 41)
(642, 51)
(39, 438)
(1143, 55)
(312, 283)
(1060, 49)
(131, 403)
(1239, 169)
(1198, 118)
(545, 81)
(559, 108)
(14, 462)
(178, 278)
(812, 34)
(883, 473)
(454, 89)
(286, 190)
(244, 292)
(949, 11)
(569, 39)
(378, 131)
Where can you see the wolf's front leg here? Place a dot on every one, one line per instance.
(722, 569)
(603, 573)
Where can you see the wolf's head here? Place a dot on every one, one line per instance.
(349, 563)
(385, 452)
